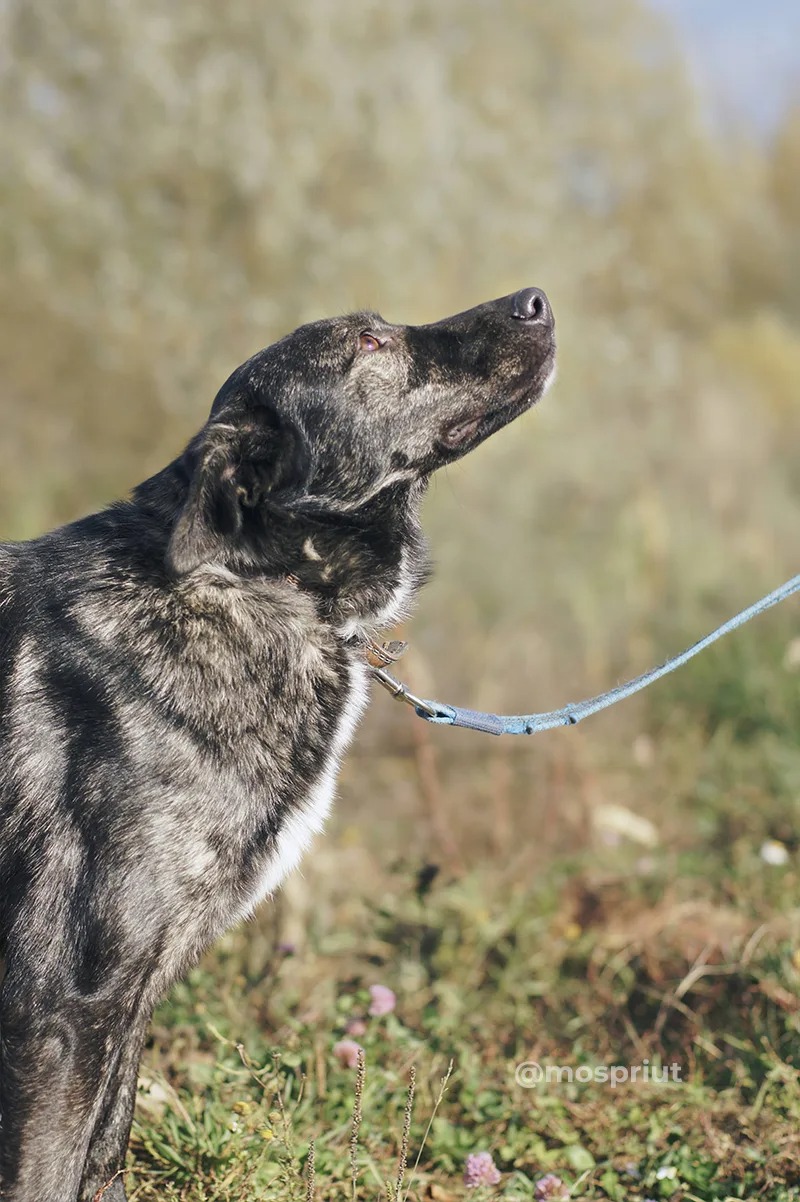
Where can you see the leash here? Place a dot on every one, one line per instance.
(531, 724)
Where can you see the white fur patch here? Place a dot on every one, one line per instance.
(308, 817)
(551, 376)
(395, 609)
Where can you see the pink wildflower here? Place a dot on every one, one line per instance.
(480, 1169)
(383, 1000)
(346, 1052)
(356, 1026)
(550, 1189)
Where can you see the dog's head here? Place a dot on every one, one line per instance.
(345, 412)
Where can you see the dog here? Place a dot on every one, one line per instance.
(180, 675)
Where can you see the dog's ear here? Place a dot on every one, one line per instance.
(236, 468)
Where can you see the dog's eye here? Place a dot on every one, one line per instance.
(368, 342)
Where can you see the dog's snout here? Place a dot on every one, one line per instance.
(532, 305)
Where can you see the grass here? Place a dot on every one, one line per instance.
(573, 943)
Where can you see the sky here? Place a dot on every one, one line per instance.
(745, 54)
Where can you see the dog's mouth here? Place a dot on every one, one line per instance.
(468, 431)
(458, 433)
(473, 428)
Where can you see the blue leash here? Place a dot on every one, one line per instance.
(571, 714)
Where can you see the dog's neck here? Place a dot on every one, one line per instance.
(366, 568)
(362, 568)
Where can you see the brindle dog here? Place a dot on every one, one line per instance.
(179, 677)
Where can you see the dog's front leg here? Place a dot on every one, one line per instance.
(57, 1054)
(102, 1174)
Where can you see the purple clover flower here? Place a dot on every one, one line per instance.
(383, 1000)
(346, 1052)
(480, 1169)
(550, 1189)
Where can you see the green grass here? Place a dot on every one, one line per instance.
(578, 949)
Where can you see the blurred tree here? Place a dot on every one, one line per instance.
(785, 181)
(201, 177)
(183, 183)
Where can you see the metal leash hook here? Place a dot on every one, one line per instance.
(378, 656)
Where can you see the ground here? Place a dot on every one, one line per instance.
(626, 896)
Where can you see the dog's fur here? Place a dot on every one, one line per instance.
(179, 676)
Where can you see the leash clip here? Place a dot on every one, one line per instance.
(401, 692)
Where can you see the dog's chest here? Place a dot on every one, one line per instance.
(309, 811)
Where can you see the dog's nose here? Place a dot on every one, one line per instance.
(532, 305)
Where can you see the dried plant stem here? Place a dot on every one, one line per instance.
(502, 832)
(409, 1110)
(433, 794)
(361, 1073)
(311, 1173)
(442, 1090)
(287, 1127)
(98, 1196)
